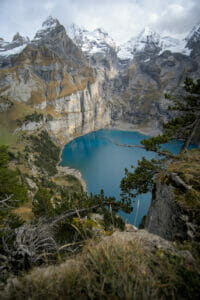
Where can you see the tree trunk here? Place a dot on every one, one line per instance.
(189, 138)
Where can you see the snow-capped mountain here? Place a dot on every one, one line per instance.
(91, 42)
(194, 34)
(47, 26)
(151, 42)
(16, 46)
(148, 42)
(193, 38)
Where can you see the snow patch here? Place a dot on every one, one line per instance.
(194, 34)
(13, 51)
(48, 25)
(151, 38)
(96, 41)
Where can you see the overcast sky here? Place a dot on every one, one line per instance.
(122, 19)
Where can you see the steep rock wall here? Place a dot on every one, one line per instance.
(53, 77)
(165, 217)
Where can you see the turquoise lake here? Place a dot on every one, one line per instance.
(102, 164)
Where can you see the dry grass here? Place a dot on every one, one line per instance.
(188, 168)
(25, 211)
(111, 269)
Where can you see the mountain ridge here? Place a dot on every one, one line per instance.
(98, 40)
(57, 69)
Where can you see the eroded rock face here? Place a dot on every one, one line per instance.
(52, 75)
(93, 87)
(146, 67)
(168, 218)
(138, 90)
(165, 217)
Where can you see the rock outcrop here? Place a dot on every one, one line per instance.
(165, 217)
(143, 70)
(50, 74)
(174, 210)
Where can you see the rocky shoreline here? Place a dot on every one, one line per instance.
(70, 171)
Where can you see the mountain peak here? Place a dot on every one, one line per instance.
(147, 33)
(50, 22)
(150, 42)
(101, 31)
(194, 34)
(17, 38)
(96, 41)
(47, 26)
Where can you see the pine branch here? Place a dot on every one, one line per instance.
(75, 212)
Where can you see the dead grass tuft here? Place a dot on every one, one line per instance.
(111, 269)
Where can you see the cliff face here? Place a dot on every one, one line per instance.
(52, 76)
(165, 217)
(89, 83)
(138, 89)
(145, 68)
(174, 210)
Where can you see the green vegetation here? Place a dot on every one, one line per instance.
(63, 223)
(35, 117)
(5, 102)
(62, 219)
(63, 207)
(141, 180)
(12, 194)
(10, 185)
(188, 169)
(69, 181)
(184, 126)
(46, 153)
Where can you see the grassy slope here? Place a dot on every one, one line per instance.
(188, 168)
(113, 269)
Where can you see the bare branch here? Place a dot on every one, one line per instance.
(76, 212)
(4, 203)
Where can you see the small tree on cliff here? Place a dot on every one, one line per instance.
(184, 127)
(186, 124)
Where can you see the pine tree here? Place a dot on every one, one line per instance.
(186, 124)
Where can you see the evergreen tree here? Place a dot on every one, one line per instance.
(186, 124)
(12, 191)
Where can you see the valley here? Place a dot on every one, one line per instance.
(73, 103)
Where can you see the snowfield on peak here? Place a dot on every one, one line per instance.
(13, 51)
(175, 46)
(194, 34)
(91, 42)
(48, 25)
(148, 37)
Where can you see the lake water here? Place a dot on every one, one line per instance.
(102, 164)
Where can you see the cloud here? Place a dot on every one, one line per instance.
(121, 18)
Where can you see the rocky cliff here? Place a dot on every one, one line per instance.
(174, 209)
(90, 82)
(143, 70)
(50, 75)
(158, 65)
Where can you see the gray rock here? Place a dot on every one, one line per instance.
(165, 216)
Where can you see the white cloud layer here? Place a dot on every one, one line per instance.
(121, 18)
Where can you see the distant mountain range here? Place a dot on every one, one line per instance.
(98, 41)
(85, 81)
